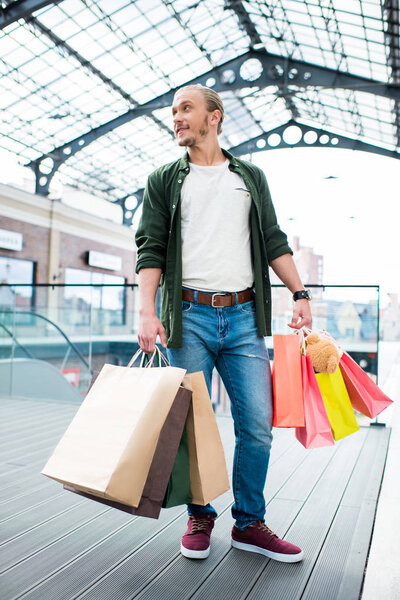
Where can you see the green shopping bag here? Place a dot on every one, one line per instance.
(337, 404)
(178, 490)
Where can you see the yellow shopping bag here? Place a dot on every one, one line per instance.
(337, 404)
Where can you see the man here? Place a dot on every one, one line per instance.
(209, 231)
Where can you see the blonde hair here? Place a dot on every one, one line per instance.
(211, 98)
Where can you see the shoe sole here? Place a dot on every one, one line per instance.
(194, 553)
(287, 558)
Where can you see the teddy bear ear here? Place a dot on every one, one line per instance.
(312, 338)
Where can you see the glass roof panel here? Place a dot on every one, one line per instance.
(82, 63)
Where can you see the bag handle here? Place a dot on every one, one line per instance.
(301, 334)
(305, 331)
(150, 360)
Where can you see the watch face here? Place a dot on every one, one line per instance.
(302, 295)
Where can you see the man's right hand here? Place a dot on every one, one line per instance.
(150, 327)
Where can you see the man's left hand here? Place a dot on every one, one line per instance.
(302, 311)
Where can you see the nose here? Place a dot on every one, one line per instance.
(177, 117)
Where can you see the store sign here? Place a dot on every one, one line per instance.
(11, 240)
(104, 261)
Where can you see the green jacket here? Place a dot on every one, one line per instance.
(158, 239)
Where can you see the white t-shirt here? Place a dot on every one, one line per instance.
(216, 251)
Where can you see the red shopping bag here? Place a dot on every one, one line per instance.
(317, 431)
(286, 381)
(365, 396)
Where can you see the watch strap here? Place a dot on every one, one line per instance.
(302, 295)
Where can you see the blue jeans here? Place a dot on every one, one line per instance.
(227, 339)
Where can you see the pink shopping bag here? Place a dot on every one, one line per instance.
(317, 430)
(365, 396)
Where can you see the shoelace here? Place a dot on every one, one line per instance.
(264, 527)
(199, 524)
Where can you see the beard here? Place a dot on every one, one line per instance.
(191, 139)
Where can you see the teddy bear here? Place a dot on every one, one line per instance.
(323, 354)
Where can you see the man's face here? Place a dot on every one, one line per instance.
(191, 118)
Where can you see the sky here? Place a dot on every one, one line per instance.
(352, 219)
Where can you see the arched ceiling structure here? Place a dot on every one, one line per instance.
(86, 86)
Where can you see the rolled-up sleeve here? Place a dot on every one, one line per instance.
(275, 240)
(152, 233)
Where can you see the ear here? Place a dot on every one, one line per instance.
(312, 338)
(214, 117)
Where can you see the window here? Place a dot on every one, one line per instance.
(16, 270)
(100, 300)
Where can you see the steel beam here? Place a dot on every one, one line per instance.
(390, 11)
(323, 138)
(261, 143)
(247, 25)
(64, 47)
(22, 9)
(127, 219)
(264, 70)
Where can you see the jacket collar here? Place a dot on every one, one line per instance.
(184, 161)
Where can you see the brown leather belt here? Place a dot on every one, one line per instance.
(219, 299)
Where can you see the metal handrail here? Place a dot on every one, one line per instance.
(16, 342)
(69, 342)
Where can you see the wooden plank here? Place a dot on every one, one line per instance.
(38, 567)
(37, 538)
(34, 570)
(27, 501)
(183, 574)
(338, 571)
(140, 554)
(382, 578)
(152, 561)
(37, 516)
(312, 498)
(280, 514)
(281, 581)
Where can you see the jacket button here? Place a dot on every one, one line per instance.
(173, 206)
(179, 180)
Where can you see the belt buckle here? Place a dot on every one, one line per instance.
(213, 296)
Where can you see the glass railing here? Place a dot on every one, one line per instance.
(78, 328)
(25, 334)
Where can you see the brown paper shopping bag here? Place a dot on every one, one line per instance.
(162, 465)
(109, 446)
(208, 474)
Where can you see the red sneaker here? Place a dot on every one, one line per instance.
(257, 537)
(196, 541)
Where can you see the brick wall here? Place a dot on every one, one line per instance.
(35, 245)
(73, 253)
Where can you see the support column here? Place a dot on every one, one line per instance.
(53, 272)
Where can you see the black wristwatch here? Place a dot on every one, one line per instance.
(302, 295)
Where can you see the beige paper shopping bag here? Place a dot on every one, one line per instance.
(208, 474)
(108, 448)
(168, 479)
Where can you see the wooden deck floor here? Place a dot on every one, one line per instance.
(56, 545)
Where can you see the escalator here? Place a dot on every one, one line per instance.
(38, 360)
